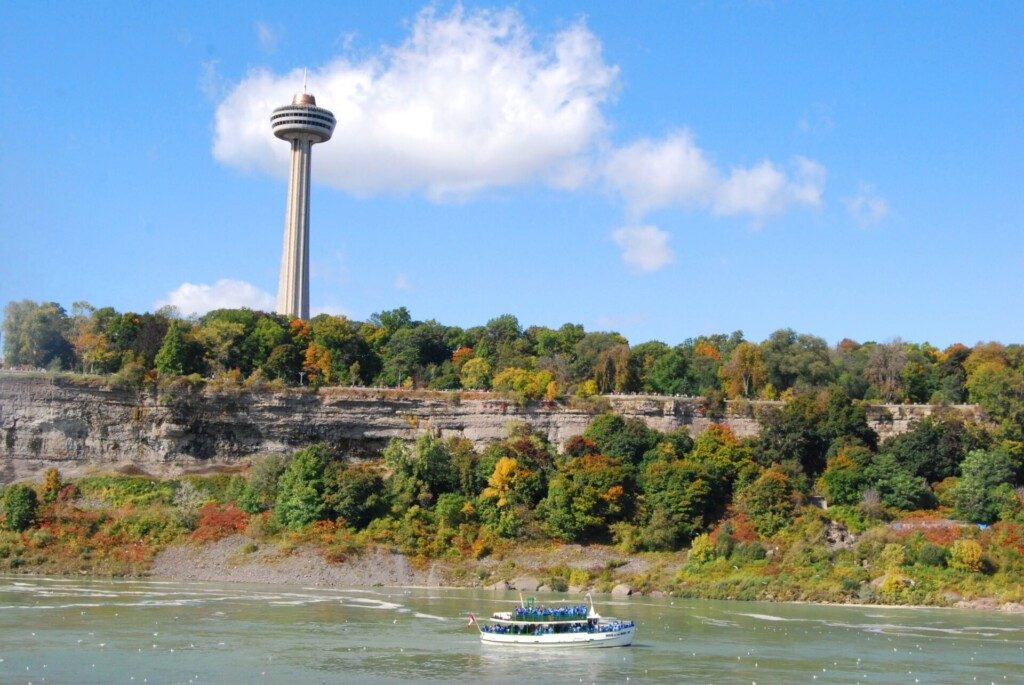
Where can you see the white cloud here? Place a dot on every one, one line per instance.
(267, 36)
(765, 190)
(674, 171)
(652, 174)
(402, 283)
(469, 101)
(644, 248)
(866, 207)
(199, 298)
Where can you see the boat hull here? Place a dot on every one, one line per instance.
(616, 638)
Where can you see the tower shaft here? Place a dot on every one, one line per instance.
(302, 124)
(293, 286)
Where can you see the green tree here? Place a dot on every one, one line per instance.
(354, 494)
(896, 484)
(794, 433)
(37, 335)
(476, 374)
(340, 338)
(796, 360)
(668, 374)
(998, 389)
(844, 479)
(525, 384)
(982, 472)
(585, 496)
(229, 339)
(628, 439)
(266, 335)
(393, 320)
(284, 362)
(934, 447)
(300, 491)
(19, 506)
(587, 352)
(681, 494)
(178, 355)
(411, 349)
(260, 492)
(805, 428)
(644, 356)
(769, 501)
(422, 474)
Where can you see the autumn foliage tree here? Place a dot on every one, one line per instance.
(586, 495)
(745, 372)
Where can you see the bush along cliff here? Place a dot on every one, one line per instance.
(814, 508)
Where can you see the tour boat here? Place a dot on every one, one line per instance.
(564, 625)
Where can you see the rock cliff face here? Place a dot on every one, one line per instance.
(57, 422)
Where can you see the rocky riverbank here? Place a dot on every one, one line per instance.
(239, 559)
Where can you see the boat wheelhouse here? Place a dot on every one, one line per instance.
(563, 625)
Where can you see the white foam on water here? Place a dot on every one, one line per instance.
(368, 603)
(994, 629)
(436, 618)
(920, 631)
(722, 623)
(767, 617)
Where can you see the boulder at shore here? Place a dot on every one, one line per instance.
(526, 584)
(622, 590)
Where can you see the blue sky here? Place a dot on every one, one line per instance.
(664, 169)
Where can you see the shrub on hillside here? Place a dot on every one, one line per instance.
(119, 490)
(51, 486)
(931, 554)
(19, 506)
(702, 550)
(260, 492)
(965, 556)
(747, 552)
(217, 521)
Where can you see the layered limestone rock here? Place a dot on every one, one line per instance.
(67, 423)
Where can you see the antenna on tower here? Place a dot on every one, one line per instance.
(304, 79)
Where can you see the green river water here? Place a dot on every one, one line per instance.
(62, 630)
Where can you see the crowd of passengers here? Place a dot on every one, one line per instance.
(560, 613)
(551, 629)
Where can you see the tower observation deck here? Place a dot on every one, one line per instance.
(303, 124)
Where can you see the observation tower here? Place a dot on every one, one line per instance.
(302, 124)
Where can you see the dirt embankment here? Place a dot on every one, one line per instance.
(238, 559)
(243, 560)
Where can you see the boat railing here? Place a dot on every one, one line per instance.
(546, 614)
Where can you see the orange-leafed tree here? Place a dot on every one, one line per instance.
(745, 372)
(317, 364)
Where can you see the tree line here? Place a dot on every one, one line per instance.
(536, 362)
